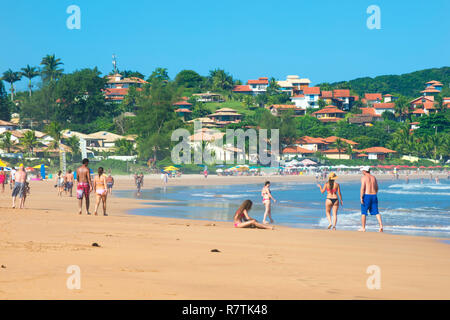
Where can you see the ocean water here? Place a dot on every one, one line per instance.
(413, 209)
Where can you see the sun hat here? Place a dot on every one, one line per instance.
(332, 176)
(365, 168)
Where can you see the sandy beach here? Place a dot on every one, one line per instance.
(143, 257)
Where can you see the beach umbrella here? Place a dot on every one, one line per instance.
(2, 163)
(28, 169)
(170, 168)
(40, 166)
(219, 170)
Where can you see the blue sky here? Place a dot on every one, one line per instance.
(323, 40)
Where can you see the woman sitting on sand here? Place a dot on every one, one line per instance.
(267, 197)
(243, 220)
(332, 202)
(100, 188)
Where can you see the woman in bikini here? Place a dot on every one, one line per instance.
(243, 220)
(267, 197)
(333, 191)
(100, 188)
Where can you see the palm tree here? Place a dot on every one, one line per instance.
(74, 144)
(5, 141)
(30, 73)
(124, 147)
(339, 144)
(50, 70)
(11, 77)
(350, 150)
(54, 130)
(221, 79)
(29, 140)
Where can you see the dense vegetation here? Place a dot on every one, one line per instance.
(408, 84)
(76, 101)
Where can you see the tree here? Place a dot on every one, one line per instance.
(123, 147)
(80, 99)
(30, 73)
(5, 104)
(54, 130)
(221, 80)
(11, 77)
(188, 79)
(29, 140)
(160, 74)
(339, 145)
(132, 74)
(273, 87)
(5, 141)
(51, 70)
(155, 121)
(74, 144)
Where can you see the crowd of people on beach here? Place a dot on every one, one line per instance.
(102, 185)
(368, 199)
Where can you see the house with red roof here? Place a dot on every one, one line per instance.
(245, 89)
(183, 104)
(291, 152)
(446, 101)
(342, 99)
(327, 96)
(117, 86)
(435, 85)
(311, 143)
(372, 98)
(383, 107)
(377, 153)
(329, 114)
(308, 97)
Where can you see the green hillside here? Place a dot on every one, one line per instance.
(408, 84)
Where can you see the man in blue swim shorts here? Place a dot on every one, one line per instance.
(369, 199)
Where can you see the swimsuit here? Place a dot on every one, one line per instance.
(83, 188)
(266, 196)
(2, 178)
(333, 201)
(370, 204)
(101, 192)
(19, 189)
(109, 185)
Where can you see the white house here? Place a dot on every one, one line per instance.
(258, 86)
(6, 126)
(383, 106)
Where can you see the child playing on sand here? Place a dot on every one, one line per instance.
(243, 220)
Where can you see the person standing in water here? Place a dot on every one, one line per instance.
(100, 189)
(243, 220)
(267, 197)
(84, 185)
(334, 196)
(369, 199)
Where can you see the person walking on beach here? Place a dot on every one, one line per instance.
(2, 179)
(369, 199)
(109, 183)
(84, 185)
(12, 179)
(20, 179)
(60, 183)
(334, 196)
(243, 220)
(100, 189)
(69, 181)
(267, 197)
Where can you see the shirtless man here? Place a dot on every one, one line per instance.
(20, 178)
(369, 199)
(69, 181)
(84, 185)
(109, 183)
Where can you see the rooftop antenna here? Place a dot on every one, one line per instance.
(114, 62)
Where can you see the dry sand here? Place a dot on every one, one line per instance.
(162, 258)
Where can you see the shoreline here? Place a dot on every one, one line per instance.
(147, 257)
